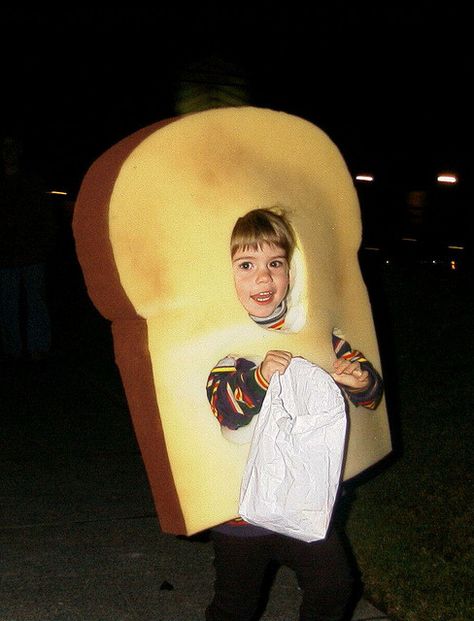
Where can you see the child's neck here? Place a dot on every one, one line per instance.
(275, 320)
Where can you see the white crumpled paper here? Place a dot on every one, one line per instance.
(293, 470)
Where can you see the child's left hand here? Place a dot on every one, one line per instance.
(350, 374)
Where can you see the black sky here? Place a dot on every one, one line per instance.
(390, 84)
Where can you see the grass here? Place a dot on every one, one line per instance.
(411, 525)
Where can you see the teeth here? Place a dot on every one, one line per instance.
(263, 296)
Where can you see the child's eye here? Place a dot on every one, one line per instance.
(276, 263)
(245, 265)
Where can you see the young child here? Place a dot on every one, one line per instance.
(262, 245)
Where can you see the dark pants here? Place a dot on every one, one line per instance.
(322, 570)
(29, 281)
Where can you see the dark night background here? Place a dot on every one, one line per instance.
(390, 84)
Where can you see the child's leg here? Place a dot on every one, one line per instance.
(324, 576)
(240, 564)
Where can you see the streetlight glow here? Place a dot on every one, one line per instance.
(447, 178)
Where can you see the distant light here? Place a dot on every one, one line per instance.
(367, 178)
(411, 239)
(456, 247)
(453, 265)
(371, 248)
(447, 179)
(57, 192)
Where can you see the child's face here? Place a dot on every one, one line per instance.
(261, 278)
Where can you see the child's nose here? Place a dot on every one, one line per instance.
(263, 275)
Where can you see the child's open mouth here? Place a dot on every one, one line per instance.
(263, 297)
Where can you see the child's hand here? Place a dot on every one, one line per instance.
(275, 360)
(350, 374)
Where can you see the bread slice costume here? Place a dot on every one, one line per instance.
(152, 225)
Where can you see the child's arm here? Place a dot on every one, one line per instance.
(356, 375)
(236, 388)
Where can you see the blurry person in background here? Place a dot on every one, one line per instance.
(27, 235)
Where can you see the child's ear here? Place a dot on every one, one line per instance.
(291, 272)
(290, 277)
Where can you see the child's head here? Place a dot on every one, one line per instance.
(261, 226)
(262, 244)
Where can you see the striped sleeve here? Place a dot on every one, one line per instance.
(371, 396)
(236, 390)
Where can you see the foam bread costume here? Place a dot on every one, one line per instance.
(152, 225)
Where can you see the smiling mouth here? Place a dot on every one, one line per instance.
(263, 297)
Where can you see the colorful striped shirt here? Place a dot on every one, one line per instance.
(236, 387)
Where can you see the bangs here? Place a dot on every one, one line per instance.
(256, 242)
(262, 226)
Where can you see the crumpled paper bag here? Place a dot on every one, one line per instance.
(294, 466)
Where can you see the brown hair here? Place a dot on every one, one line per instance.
(261, 226)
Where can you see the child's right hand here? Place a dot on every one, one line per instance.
(275, 360)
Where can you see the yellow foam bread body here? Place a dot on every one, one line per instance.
(152, 225)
